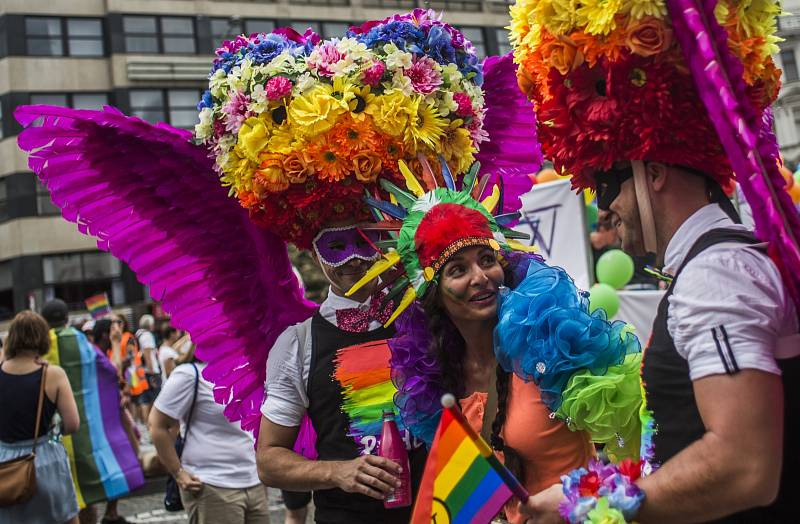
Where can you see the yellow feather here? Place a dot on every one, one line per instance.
(378, 268)
(392, 198)
(519, 246)
(490, 202)
(408, 298)
(412, 183)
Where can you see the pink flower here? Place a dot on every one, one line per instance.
(323, 59)
(373, 75)
(464, 104)
(236, 112)
(476, 130)
(424, 76)
(278, 87)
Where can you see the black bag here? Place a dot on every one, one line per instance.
(172, 497)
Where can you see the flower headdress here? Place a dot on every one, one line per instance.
(299, 126)
(610, 82)
(430, 226)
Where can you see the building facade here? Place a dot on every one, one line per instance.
(787, 108)
(149, 58)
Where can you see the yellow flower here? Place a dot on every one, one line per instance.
(456, 146)
(391, 112)
(641, 8)
(283, 140)
(254, 136)
(597, 16)
(315, 111)
(270, 174)
(557, 16)
(426, 126)
(238, 172)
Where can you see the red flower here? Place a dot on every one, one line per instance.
(630, 469)
(589, 484)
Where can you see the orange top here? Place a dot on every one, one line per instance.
(547, 447)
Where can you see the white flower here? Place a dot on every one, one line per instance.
(283, 63)
(303, 84)
(451, 75)
(402, 83)
(204, 129)
(344, 66)
(446, 104)
(354, 49)
(398, 60)
(217, 82)
(475, 93)
(258, 99)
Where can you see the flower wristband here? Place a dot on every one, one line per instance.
(602, 493)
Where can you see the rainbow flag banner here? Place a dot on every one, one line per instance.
(463, 481)
(98, 305)
(102, 459)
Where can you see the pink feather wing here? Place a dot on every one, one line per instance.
(153, 200)
(747, 138)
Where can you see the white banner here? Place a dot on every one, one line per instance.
(639, 309)
(555, 218)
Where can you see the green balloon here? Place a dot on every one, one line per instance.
(603, 296)
(797, 177)
(615, 268)
(591, 217)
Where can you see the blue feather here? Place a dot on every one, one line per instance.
(387, 207)
(447, 175)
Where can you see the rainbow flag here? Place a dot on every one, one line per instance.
(98, 305)
(364, 374)
(463, 481)
(102, 460)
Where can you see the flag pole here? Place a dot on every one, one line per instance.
(449, 403)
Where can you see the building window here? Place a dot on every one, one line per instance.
(225, 29)
(74, 100)
(475, 35)
(455, 5)
(53, 36)
(390, 4)
(301, 25)
(503, 44)
(322, 2)
(258, 26)
(334, 29)
(44, 202)
(166, 34)
(789, 63)
(1, 120)
(3, 200)
(6, 291)
(74, 277)
(177, 107)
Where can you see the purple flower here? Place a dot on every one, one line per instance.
(236, 112)
(423, 75)
(323, 59)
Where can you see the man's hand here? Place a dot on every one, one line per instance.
(188, 482)
(369, 475)
(542, 508)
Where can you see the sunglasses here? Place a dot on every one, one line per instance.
(609, 184)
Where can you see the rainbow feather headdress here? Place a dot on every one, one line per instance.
(299, 126)
(429, 225)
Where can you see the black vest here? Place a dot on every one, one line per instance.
(670, 394)
(332, 425)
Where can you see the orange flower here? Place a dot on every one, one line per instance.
(562, 54)
(353, 135)
(297, 167)
(367, 166)
(648, 36)
(330, 163)
(270, 173)
(594, 47)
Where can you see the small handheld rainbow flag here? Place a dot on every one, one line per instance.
(98, 305)
(463, 481)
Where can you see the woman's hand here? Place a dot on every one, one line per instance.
(542, 508)
(188, 482)
(369, 475)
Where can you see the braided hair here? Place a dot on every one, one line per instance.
(449, 347)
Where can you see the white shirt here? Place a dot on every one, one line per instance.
(147, 340)
(215, 450)
(729, 309)
(165, 353)
(288, 367)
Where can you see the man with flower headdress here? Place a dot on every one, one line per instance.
(300, 132)
(656, 104)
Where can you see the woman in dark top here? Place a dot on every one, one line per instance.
(21, 373)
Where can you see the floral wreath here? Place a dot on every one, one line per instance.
(300, 126)
(610, 83)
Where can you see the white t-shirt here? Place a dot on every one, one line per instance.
(147, 340)
(729, 309)
(288, 367)
(165, 353)
(215, 450)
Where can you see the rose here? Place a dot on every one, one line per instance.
(297, 168)
(270, 173)
(648, 36)
(564, 54)
(367, 166)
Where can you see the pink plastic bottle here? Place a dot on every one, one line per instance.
(394, 448)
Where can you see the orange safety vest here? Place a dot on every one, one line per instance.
(136, 379)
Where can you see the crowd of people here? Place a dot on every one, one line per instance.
(362, 150)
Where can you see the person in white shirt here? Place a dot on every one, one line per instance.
(167, 355)
(725, 336)
(152, 367)
(216, 473)
(349, 480)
